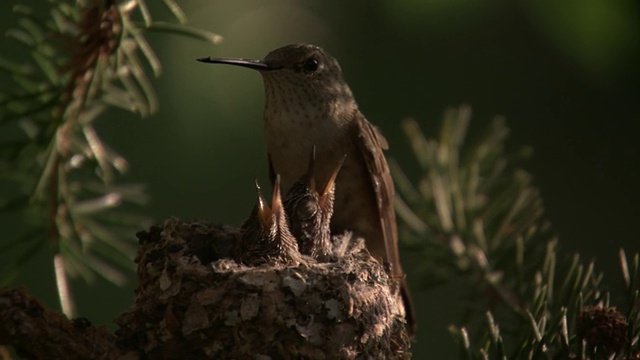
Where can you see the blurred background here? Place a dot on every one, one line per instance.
(565, 75)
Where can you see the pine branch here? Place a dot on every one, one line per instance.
(85, 58)
(474, 214)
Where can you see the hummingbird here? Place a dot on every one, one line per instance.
(309, 211)
(308, 102)
(265, 235)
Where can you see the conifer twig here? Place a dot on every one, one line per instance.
(86, 57)
(475, 214)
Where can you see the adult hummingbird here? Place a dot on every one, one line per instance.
(308, 103)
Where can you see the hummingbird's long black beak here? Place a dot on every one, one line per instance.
(248, 63)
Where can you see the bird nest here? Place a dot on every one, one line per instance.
(195, 301)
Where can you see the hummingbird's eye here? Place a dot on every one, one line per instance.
(310, 65)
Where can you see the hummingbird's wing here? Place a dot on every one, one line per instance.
(371, 143)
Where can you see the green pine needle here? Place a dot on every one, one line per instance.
(473, 213)
(84, 58)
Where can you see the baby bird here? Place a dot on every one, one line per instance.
(265, 234)
(309, 211)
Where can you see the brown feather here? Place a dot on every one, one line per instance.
(371, 143)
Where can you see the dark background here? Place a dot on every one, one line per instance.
(564, 73)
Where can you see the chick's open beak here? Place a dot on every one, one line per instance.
(264, 212)
(329, 186)
(277, 209)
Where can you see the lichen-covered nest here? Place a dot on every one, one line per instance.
(195, 301)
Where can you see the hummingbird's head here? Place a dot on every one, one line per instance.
(300, 73)
(304, 63)
(308, 71)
